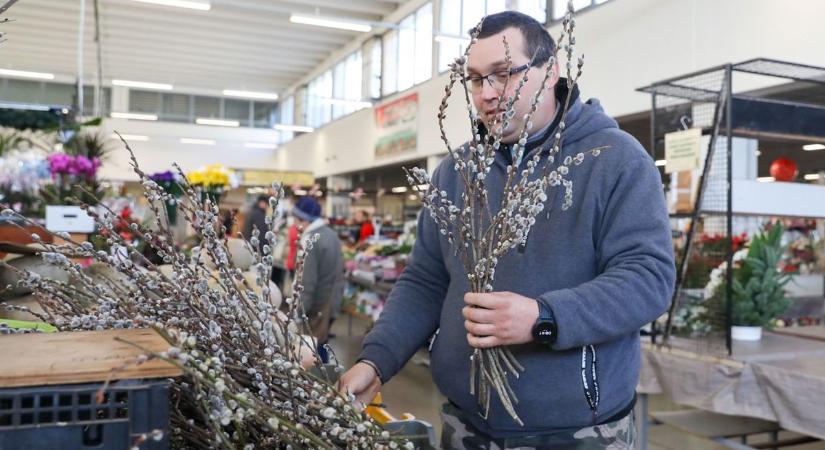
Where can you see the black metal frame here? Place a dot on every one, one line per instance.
(678, 87)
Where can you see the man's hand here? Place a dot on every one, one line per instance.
(362, 381)
(499, 318)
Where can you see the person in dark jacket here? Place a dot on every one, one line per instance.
(593, 274)
(256, 218)
(323, 272)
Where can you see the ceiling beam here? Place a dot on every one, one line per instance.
(326, 7)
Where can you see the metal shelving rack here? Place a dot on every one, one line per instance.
(707, 99)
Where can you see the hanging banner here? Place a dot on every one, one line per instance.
(682, 150)
(397, 126)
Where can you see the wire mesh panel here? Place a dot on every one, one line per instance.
(699, 205)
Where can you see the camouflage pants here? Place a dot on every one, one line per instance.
(459, 435)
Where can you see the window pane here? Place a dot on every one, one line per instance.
(287, 116)
(533, 8)
(325, 91)
(175, 107)
(495, 6)
(89, 100)
(451, 17)
(144, 101)
(209, 107)
(406, 46)
(23, 91)
(338, 87)
(59, 94)
(423, 43)
(236, 110)
(375, 65)
(265, 114)
(471, 15)
(390, 63)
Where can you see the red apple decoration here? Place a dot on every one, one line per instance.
(784, 169)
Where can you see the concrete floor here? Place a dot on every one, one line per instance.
(412, 391)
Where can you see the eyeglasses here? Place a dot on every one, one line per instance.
(496, 80)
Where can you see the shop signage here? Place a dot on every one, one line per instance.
(396, 123)
(251, 177)
(682, 150)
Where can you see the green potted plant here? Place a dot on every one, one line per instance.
(759, 286)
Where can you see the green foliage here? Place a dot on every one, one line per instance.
(758, 285)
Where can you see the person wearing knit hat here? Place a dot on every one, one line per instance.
(323, 276)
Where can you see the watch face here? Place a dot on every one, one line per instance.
(545, 332)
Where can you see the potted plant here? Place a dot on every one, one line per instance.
(759, 286)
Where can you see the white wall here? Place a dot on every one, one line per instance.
(628, 44)
(164, 148)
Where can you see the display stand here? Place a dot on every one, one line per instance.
(726, 189)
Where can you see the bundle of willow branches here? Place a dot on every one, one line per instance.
(248, 377)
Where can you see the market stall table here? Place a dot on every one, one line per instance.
(778, 379)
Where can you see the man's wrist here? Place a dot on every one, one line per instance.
(373, 365)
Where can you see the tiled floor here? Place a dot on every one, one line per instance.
(412, 391)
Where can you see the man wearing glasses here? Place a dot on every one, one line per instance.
(569, 303)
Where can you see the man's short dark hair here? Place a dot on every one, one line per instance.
(536, 37)
(263, 198)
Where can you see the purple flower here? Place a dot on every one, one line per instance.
(83, 166)
(163, 177)
(59, 163)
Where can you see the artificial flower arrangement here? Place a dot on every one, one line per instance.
(171, 184)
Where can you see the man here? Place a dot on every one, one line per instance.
(592, 275)
(365, 228)
(256, 217)
(323, 276)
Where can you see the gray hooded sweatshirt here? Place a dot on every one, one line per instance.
(604, 267)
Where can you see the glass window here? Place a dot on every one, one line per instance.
(375, 67)
(209, 107)
(287, 117)
(389, 81)
(59, 94)
(234, 109)
(338, 89)
(144, 101)
(23, 91)
(175, 107)
(266, 114)
(560, 6)
(423, 43)
(407, 52)
(89, 100)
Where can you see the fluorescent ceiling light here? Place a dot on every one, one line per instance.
(264, 145)
(131, 137)
(201, 6)
(423, 187)
(661, 163)
(296, 128)
(299, 192)
(135, 116)
(26, 106)
(399, 189)
(217, 122)
(448, 39)
(27, 74)
(197, 141)
(250, 94)
(812, 147)
(143, 85)
(330, 22)
(345, 102)
(812, 176)
(765, 179)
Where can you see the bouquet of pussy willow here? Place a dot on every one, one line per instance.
(479, 232)
(251, 376)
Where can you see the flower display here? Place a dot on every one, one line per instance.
(251, 375)
(77, 165)
(211, 177)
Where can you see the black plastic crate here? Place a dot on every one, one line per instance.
(69, 417)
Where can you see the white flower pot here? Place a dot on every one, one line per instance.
(740, 333)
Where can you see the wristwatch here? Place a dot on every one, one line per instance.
(545, 331)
